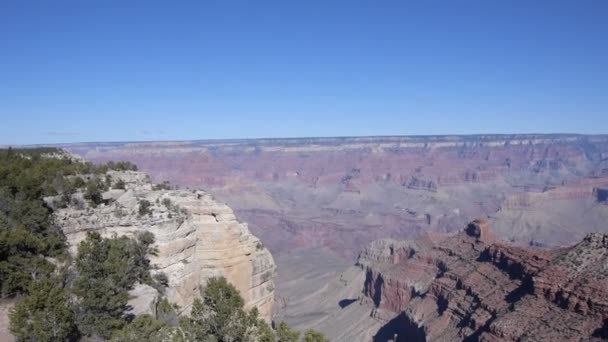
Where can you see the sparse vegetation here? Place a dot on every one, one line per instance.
(93, 192)
(162, 186)
(286, 334)
(120, 184)
(314, 336)
(144, 207)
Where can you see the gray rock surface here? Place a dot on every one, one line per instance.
(143, 299)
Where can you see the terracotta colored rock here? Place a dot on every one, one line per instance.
(470, 286)
(341, 193)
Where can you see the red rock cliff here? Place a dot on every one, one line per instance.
(471, 287)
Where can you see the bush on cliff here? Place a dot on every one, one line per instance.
(44, 315)
(144, 208)
(286, 334)
(27, 234)
(142, 328)
(107, 270)
(314, 336)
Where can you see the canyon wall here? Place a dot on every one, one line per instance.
(342, 193)
(196, 236)
(470, 286)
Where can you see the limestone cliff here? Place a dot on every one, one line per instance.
(196, 236)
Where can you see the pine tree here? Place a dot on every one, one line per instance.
(44, 314)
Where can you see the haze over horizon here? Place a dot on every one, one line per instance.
(72, 71)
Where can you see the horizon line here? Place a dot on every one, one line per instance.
(218, 140)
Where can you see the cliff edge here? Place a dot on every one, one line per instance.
(197, 238)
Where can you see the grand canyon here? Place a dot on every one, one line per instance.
(481, 237)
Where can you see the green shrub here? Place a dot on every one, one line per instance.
(142, 328)
(107, 270)
(120, 184)
(44, 314)
(144, 207)
(93, 192)
(121, 166)
(162, 186)
(78, 182)
(314, 336)
(286, 334)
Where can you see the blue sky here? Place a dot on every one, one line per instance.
(149, 70)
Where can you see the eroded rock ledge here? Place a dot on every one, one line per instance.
(196, 236)
(469, 286)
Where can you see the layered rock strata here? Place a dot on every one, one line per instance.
(469, 286)
(342, 193)
(196, 237)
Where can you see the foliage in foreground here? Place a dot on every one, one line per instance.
(44, 315)
(63, 303)
(107, 270)
(95, 303)
(28, 236)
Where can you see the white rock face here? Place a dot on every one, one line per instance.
(143, 300)
(197, 238)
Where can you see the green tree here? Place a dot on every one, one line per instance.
(286, 334)
(144, 207)
(78, 182)
(22, 259)
(142, 328)
(314, 336)
(120, 184)
(93, 192)
(219, 316)
(107, 270)
(44, 314)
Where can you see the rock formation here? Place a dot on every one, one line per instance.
(197, 238)
(469, 286)
(342, 193)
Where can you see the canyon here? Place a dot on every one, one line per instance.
(470, 286)
(316, 203)
(341, 193)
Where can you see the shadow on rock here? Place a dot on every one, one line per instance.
(403, 328)
(346, 302)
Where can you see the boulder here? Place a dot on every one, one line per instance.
(143, 299)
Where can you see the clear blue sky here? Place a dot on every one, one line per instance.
(109, 70)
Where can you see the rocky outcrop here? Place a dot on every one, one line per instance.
(469, 286)
(196, 237)
(143, 300)
(417, 183)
